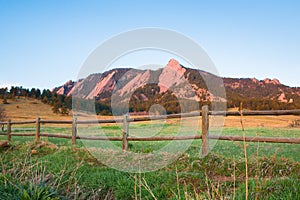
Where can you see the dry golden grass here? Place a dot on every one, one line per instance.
(261, 121)
(271, 121)
(22, 109)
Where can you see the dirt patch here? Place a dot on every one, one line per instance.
(4, 144)
(44, 144)
(222, 179)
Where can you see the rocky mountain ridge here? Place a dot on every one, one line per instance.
(185, 83)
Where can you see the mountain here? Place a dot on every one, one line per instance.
(175, 82)
(126, 80)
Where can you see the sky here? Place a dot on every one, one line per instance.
(45, 43)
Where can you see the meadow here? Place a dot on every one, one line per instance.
(55, 169)
(62, 171)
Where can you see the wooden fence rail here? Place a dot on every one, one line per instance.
(205, 136)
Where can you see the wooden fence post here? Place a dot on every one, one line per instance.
(37, 129)
(74, 130)
(9, 130)
(125, 133)
(205, 130)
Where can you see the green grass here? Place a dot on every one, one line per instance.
(65, 172)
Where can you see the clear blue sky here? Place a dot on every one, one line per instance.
(44, 43)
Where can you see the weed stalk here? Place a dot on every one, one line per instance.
(245, 151)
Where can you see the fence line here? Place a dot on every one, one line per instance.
(171, 116)
(257, 139)
(205, 137)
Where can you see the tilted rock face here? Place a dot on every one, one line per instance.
(61, 90)
(140, 79)
(182, 82)
(106, 84)
(75, 87)
(66, 88)
(282, 98)
(171, 75)
(175, 66)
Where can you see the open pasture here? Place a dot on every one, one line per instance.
(73, 172)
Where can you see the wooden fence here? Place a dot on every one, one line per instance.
(205, 136)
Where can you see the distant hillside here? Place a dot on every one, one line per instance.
(22, 109)
(19, 102)
(175, 82)
(271, 93)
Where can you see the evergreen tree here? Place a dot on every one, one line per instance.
(64, 110)
(38, 94)
(32, 92)
(55, 108)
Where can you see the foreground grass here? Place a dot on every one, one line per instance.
(59, 171)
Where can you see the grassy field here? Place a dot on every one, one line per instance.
(54, 169)
(21, 109)
(64, 172)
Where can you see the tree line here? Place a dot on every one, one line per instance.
(61, 104)
(234, 100)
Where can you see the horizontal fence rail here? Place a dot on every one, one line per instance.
(258, 112)
(205, 136)
(257, 139)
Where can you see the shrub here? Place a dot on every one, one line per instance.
(295, 123)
